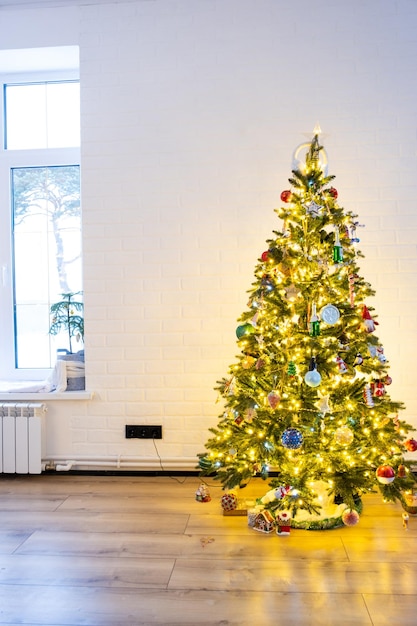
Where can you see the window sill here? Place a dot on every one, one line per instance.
(12, 396)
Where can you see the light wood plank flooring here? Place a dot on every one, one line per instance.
(123, 550)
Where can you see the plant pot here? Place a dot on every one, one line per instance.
(75, 370)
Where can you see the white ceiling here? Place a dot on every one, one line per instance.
(33, 4)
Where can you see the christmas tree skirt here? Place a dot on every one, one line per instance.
(329, 515)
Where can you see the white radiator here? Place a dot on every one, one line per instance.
(21, 437)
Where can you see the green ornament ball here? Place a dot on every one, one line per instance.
(244, 329)
(205, 463)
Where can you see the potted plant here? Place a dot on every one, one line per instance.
(67, 316)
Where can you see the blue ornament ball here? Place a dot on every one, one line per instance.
(292, 439)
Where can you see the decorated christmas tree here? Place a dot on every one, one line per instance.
(307, 404)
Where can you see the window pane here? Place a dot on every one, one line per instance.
(63, 107)
(47, 256)
(42, 115)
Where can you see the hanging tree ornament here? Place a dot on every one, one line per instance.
(352, 278)
(353, 236)
(273, 399)
(410, 445)
(330, 314)
(285, 233)
(358, 360)
(343, 343)
(292, 438)
(352, 232)
(323, 404)
(385, 474)
(380, 354)
(229, 387)
(250, 414)
(402, 471)
(205, 463)
(238, 420)
(291, 369)
(248, 361)
(367, 396)
(313, 209)
(292, 292)
(341, 364)
(244, 330)
(286, 195)
(379, 390)
(314, 323)
(260, 341)
(267, 282)
(284, 268)
(343, 436)
(368, 323)
(337, 248)
(255, 318)
(312, 377)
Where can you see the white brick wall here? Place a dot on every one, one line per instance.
(190, 114)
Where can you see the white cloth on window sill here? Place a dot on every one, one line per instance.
(56, 381)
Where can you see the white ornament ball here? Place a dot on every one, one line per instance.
(312, 378)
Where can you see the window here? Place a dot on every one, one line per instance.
(42, 115)
(40, 213)
(46, 255)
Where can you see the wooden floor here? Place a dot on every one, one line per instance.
(110, 551)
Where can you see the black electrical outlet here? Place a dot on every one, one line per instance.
(143, 432)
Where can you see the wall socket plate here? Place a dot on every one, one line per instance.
(143, 432)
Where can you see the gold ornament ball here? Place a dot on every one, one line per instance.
(343, 436)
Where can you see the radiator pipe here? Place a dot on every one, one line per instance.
(63, 464)
(64, 468)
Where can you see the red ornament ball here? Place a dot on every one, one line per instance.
(286, 196)
(229, 502)
(385, 474)
(333, 193)
(350, 517)
(265, 256)
(411, 445)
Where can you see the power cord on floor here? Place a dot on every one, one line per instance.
(181, 482)
(198, 479)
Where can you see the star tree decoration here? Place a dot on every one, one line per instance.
(313, 209)
(323, 404)
(307, 396)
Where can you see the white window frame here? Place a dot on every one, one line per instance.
(14, 159)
